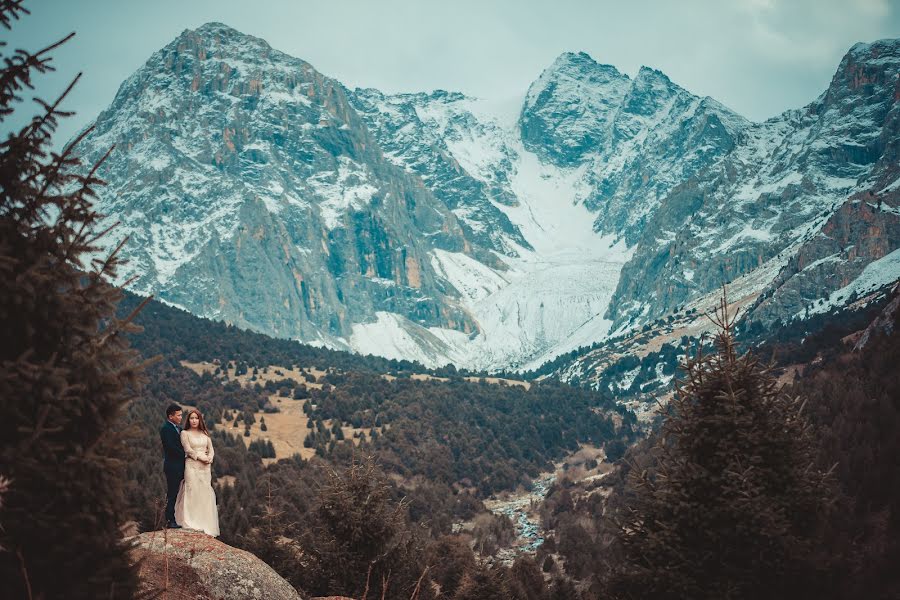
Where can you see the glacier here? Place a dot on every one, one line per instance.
(550, 298)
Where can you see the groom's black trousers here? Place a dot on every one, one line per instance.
(174, 475)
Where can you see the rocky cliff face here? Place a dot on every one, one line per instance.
(254, 193)
(856, 249)
(777, 199)
(437, 227)
(635, 139)
(465, 161)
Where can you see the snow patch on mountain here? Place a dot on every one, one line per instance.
(877, 274)
(559, 291)
(394, 336)
(344, 189)
(549, 299)
(472, 279)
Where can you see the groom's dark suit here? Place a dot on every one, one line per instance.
(173, 465)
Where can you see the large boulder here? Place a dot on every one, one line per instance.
(191, 564)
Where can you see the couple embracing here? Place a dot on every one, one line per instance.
(187, 463)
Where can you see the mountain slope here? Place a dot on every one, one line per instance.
(559, 274)
(253, 193)
(636, 139)
(791, 184)
(429, 135)
(442, 228)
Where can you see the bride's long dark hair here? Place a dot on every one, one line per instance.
(202, 424)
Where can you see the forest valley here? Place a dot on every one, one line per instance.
(437, 448)
(770, 471)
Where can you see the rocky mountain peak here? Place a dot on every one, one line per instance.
(226, 48)
(650, 92)
(648, 76)
(218, 28)
(865, 71)
(221, 37)
(570, 107)
(638, 138)
(582, 63)
(444, 96)
(884, 49)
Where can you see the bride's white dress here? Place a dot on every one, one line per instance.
(195, 506)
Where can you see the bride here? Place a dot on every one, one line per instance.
(196, 504)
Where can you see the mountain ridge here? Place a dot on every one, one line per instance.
(426, 226)
(790, 178)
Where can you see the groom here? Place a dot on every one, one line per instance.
(173, 460)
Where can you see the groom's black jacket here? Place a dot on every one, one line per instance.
(173, 453)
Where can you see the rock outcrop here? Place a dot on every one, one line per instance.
(191, 564)
(883, 323)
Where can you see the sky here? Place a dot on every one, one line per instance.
(759, 57)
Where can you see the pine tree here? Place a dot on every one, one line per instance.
(450, 558)
(270, 538)
(733, 504)
(361, 540)
(483, 583)
(67, 372)
(526, 582)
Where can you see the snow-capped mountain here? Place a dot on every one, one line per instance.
(254, 193)
(810, 195)
(442, 228)
(636, 139)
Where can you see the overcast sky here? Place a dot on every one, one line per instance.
(759, 57)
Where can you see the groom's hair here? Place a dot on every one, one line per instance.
(173, 408)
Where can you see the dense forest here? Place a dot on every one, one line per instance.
(847, 389)
(180, 335)
(853, 399)
(438, 449)
(450, 444)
